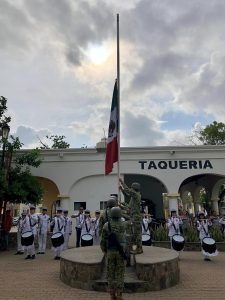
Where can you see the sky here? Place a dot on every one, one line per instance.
(58, 67)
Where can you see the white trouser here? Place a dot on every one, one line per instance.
(58, 250)
(31, 249)
(66, 241)
(42, 238)
(96, 239)
(20, 248)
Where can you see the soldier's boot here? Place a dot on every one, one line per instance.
(119, 294)
(112, 294)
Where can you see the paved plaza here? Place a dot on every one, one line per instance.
(39, 279)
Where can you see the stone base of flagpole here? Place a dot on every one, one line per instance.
(155, 269)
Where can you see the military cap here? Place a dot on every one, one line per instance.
(116, 212)
(87, 211)
(59, 209)
(136, 186)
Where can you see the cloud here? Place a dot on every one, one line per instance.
(171, 61)
(29, 136)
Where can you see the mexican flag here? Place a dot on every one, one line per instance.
(112, 142)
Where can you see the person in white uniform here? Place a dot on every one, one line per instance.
(67, 229)
(58, 224)
(95, 228)
(86, 227)
(146, 221)
(203, 225)
(43, 223)
(20, 248)
(222, 224)
(30, 224)
(79, 223)
(173, 224)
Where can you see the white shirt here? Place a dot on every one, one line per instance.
(68, 225)
(59, 223)
(222, 221)
(80, 220)
(86, 227)
(30, 224)
(43, 221)
(145, 225)
(173, 225)
(203, 228)
(95, 226)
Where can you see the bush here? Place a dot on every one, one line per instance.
(216, 234)
(191, 235)
(161, 233)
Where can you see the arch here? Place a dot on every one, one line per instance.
(216, 188)
(51, 192)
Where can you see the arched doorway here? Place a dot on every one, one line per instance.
(51, 193)
(151, 191)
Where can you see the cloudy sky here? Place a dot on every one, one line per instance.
(58, 66)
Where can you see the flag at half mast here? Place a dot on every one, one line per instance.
(112, 141)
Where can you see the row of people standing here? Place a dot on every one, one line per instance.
(38, 226)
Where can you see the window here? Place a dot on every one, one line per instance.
(77, 205)
(103, 205)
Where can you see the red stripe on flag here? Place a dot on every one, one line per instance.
(111, 156)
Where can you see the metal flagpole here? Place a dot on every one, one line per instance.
(118, 98)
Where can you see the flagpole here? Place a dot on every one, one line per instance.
(118, 97)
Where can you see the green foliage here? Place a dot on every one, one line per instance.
(57, 141)
(191, 235)
(23, 187)
(161, 233)
(3, 109)
(213, 134)
(216, 234)
(31, 158)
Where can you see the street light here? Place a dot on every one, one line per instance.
(5, 134)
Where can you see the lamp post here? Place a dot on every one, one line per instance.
(4, 135)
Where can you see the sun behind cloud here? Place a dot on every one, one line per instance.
(97, 54)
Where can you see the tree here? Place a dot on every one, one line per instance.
(57, 141)
(212, 134)
(16, 182)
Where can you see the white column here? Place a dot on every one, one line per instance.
(173, 201)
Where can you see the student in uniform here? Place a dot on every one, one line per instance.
(79, 223)
(58, 224)
(173, 224)
(43, 223)
(20, 248)
(30, 224)
(95, 228)
(67, 229)
(86, 227)
(203, 225)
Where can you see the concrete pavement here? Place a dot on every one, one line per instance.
(39, 279)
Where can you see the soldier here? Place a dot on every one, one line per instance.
(134, 207)
(113, 245)
(112, 201)
(43, 222)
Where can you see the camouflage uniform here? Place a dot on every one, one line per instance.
(134, 207)
(115, 262)
(106, 216)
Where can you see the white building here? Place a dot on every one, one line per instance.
(169, 176)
